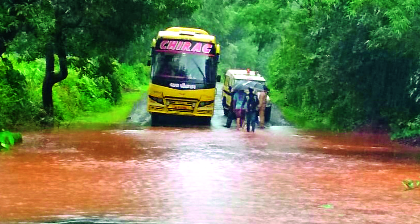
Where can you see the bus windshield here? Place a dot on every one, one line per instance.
(240, 80)
(182, 67)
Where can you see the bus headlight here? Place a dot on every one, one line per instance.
(205, 103)
(156, 99)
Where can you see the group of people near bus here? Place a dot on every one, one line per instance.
(247, 107)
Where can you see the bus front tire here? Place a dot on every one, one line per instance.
(155, 119)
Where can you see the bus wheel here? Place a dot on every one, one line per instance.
(267, 114)
(155, 119)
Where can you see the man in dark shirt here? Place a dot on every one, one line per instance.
(251, 110)
(231, 115)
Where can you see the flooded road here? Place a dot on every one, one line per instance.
(143, 174)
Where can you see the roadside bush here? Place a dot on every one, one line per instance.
(97, 69)
(99, 105)
(133, 76)
(5, 102)
(15, 107)
(406, 129)
(96, 93)
(8, 139)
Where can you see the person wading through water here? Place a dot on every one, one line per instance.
(231, 113)
(239, 108)
(252, 103)
(262, 96)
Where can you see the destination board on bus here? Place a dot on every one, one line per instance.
(185, 46)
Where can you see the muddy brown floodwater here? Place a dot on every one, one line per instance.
(207, 175)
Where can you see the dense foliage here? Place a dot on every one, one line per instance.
(73, 46)
(343, 64)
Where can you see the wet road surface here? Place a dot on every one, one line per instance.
(207, 174)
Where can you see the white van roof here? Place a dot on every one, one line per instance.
(242, 74)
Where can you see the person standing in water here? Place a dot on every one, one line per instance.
(262, 97)
(231, 113)
(252, 103)
(239, 102)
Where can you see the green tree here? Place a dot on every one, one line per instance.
(347, 62)
(84, 28)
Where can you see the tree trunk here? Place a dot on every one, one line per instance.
(51, 77)
(48, 81)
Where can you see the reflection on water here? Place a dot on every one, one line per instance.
(207, 175)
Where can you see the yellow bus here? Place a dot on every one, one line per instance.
(183, 73)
